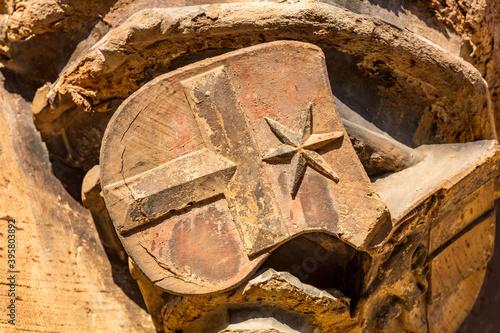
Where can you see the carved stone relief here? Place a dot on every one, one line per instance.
(263, 175)
(277, 166)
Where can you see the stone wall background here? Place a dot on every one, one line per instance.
(478, 21)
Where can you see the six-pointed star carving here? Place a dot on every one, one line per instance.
(300, 148)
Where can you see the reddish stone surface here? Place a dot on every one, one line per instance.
(263, 157)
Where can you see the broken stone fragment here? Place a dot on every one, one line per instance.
(270, 300)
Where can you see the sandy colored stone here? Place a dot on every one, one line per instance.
(478, 22)
(64, 279)
(327, 312)
(466, 255)
(447, 314)
(437, 98)
(107, 74)
(92, 200)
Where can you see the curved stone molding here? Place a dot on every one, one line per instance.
(452, 96)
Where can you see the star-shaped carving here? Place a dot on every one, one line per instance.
(300, 148)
